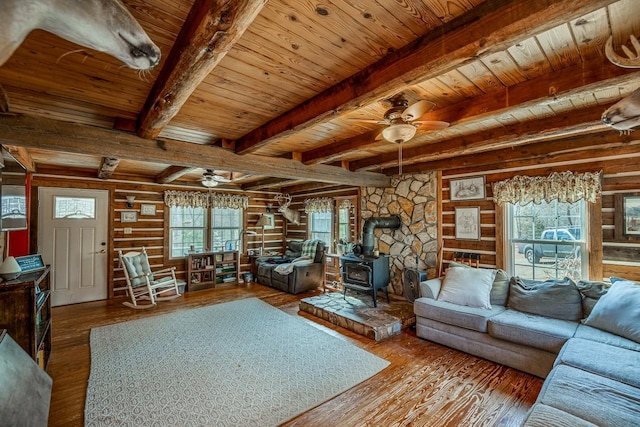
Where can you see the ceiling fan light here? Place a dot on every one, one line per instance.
(399, 133)
(209, 183)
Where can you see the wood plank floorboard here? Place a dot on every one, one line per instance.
(426, 384)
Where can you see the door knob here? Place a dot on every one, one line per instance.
(103, 251)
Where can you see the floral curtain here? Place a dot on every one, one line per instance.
(321, 204)
(197, 199)
(563, 186)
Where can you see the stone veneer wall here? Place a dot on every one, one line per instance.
(413, 198)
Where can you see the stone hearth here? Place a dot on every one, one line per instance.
(357, 314)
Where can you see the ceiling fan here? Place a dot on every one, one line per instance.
(211, 179)
(404, 120)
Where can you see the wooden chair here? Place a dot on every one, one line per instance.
(144, 284)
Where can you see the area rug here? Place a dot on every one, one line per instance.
(243, 363)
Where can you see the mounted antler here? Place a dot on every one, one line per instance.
(624, 115)
(284, 200)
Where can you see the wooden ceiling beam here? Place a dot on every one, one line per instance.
(108, 166)
(47, 134)
(172, 173)
(306, 187)
(266, 183)
(22, 156)
(548, 89)
(566, 149)
(209, 32)
(584, 121)
(491, 27)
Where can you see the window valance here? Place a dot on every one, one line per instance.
(197, 199)
(321, 204)
(567, 187)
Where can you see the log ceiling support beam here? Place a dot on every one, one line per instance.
(107, 167)
(22, 156)
(491, 27)
(209, 32)
(47, 134)
(577, 122)
(570, 149)
(549, 89)
(172, 173)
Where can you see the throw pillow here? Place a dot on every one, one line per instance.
(618, 311)
(500, 287)
(468, 286)
(559, 299)
(591, 292)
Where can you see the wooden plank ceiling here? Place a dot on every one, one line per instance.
(267, 89)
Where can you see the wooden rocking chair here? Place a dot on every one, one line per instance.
(144, 284)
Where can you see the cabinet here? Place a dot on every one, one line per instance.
(207, 269)
(25, 312)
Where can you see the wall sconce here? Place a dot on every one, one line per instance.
(130, 200)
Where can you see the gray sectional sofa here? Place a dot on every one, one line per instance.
(592, 375)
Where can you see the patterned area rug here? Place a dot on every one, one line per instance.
(243, 363)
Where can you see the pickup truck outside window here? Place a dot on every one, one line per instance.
(546, 241)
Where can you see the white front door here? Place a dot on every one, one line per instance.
(72, 238)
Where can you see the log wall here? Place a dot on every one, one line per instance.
(610, 255)
(152, 231)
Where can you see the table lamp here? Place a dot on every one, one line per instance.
(10, 269)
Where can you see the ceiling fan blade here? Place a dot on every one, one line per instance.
(432, 125)
(418, 109)
(220, 178)
(380, 122)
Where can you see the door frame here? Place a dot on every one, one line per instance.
(35, 209)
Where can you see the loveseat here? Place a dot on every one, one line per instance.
(301, 268)
(580, 337)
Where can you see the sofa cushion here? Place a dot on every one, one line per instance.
(591, 292)
(618, 311)
(528, 329)
(559, 299)
(467, 287)
(453, 314)
(544, 416)
(594, 398)
(597, 335)
(610, 361)
(500, 288)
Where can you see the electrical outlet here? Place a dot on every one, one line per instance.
(128, 230)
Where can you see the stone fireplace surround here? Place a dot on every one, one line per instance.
(413, 197)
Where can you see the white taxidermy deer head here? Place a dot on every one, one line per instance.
(103, 25)
(284, 200)
(624, 115)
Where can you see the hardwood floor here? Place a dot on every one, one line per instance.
(425, 385)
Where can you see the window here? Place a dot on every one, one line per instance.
(343, 224)
(320, 226)
(226, 226)
(547, 241)
(189, 229)
(74, 207)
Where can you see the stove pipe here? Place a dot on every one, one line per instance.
(371, 224)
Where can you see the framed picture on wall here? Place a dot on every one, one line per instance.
(627, 211)
(472, 188)
(467, 223)
(128, 216)
(147, 209)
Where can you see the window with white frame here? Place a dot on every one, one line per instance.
(226, 226)
(187, 230)
(547, 240)
(190, 230)
(320, 226)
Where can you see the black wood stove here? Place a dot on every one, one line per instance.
(365, 273)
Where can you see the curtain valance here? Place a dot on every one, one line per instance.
(321, 204)
(197, 199)
(563, 186)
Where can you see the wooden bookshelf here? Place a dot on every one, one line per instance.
(25, 312)
(208, 269)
